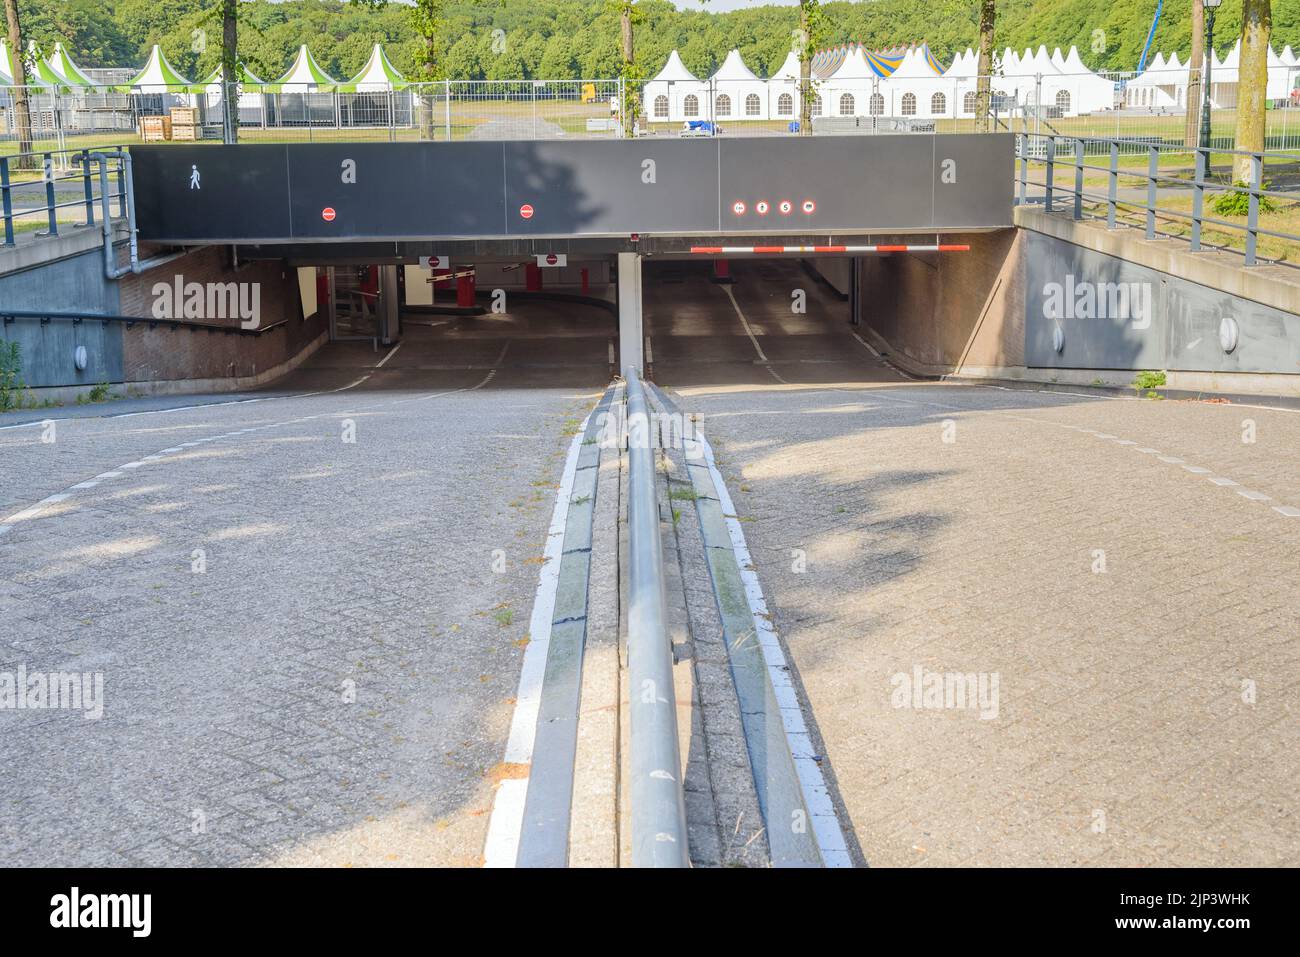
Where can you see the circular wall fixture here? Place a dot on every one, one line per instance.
(761, 207)
(79, 358)
(738, 208)
(785, 207)
(1229, 333)
(1058, 339)
(809, 206)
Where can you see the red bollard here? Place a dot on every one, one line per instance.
(465, 291)
(586, 281)
(532, 277)
(722, 271)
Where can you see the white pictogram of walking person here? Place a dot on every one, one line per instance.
(194, 177)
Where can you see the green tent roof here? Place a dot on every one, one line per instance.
(246, 78)
(305, 76)
(378, 75)
(62, 62)
(158, 76)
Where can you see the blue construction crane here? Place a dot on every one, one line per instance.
(1142, 64)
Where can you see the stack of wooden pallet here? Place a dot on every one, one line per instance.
(185, 123)
(154, 129)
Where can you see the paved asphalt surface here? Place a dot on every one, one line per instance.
(1139, 612)
(308, 657)
(333, 681)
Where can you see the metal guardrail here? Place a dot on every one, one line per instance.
(46, 316)
(658, 809)
(40, 173)
(1047, 150)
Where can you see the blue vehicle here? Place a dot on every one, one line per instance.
(700, 128)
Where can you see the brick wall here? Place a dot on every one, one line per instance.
(163, 353)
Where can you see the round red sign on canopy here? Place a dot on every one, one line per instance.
(328, 214)
(552, 259)
(526, 211)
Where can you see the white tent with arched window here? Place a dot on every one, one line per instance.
(738, 94)
(676, 94)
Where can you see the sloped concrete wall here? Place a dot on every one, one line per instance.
(1054, 300)
(67, 275)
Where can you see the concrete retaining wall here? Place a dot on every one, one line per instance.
(67, 275)
(1054, 300)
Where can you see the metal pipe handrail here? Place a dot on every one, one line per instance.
(658, 807)
(46, 315)
(1200, 182)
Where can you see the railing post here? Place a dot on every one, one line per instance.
(1198, 196)
(89, 188)
(446, 106)
(1022, 146)
(1051, 173)
(1252, 214)
(6, 201)
(1078, 179)
(50, 202)
(1112, 192)
(1153, 170)
(121, 182)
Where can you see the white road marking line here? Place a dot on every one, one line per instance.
(55, 499)
(502, 846)
(1171, 459)
(1289, 511)
(1103, 435)
(1253, 495)
(1219, 480)
(825, 822)
(391, 352)
(744, 322)
(1125, 442)
(1196, 469)
(1150, 451)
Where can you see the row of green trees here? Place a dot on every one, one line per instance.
(558, 39)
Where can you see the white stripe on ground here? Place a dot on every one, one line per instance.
(502, 846)
(391, 352)
(826, 824)
(744, 322)
(35, 510)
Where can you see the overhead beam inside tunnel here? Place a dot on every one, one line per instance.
(362, 192)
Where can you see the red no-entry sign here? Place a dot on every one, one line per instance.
(328, 214)
(526, 211)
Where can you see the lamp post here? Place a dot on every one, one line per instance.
(1210, 7)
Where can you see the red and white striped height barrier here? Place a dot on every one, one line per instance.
(744, 250)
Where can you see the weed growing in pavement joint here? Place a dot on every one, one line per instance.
(683, 493)
(1148, 380)
(504, 616)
